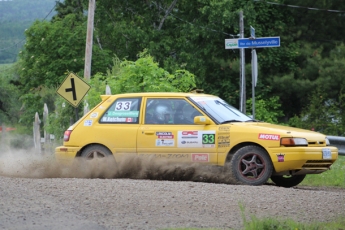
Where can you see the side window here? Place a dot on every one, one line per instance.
(170, 111)
(123, 110)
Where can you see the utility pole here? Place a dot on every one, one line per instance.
(242, 70)
(89, 39)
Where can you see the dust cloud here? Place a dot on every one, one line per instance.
(28, 163)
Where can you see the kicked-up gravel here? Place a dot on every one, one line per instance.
(36, 193)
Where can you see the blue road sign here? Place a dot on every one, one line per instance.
(258, 42)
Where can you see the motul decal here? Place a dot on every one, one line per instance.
(272, 137)
(199, 157)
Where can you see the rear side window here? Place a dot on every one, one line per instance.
(123, 110)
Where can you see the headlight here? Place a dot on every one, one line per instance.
(290, 141)
(327, 142)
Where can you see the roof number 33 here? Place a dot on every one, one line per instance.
(123, 105)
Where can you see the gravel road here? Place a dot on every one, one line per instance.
(36, 193)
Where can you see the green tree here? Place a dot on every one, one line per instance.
(142, 75)
(190, 35)
(9, 106)
(266, 110)
(322, 115)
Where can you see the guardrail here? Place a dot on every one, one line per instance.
(338, 142)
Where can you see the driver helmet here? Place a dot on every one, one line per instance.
(163, 112)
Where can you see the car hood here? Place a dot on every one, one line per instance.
(284, 130)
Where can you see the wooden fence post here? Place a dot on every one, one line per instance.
(37, 134)
(3, 134)
(107, 90)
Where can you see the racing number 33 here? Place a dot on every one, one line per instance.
(208, 139)
(124, 105)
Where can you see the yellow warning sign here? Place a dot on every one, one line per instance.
(73, 89)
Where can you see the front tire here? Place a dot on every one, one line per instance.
(288, 181)
(251, 165)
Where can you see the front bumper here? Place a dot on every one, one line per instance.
(302, 158)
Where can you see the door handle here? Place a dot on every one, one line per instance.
(149, 132)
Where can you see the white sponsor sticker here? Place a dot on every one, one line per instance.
(165, 142)
(114, 119)
(87, 122)
(94, 115)
(196, 139)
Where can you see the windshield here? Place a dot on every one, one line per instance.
(220, 110)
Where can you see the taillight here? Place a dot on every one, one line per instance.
(66, 135)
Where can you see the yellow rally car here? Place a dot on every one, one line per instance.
(198, 128)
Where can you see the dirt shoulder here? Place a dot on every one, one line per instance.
(72, 203)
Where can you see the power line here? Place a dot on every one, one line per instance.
(303, 7)
(203, 27)
(9, 47)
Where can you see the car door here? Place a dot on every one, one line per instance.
(118, 125)
(168, 131)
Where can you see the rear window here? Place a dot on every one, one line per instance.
(123, 110)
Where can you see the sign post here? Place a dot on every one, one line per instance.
(253, 43)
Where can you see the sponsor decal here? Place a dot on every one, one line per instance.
(190, 133)
(273, 137)
(87, 122)
(94, 115)
(121, 113)
(189, 142)
(165, 142)
(223, 141)
(129, 119)
(114, 119)
(281, 157)
(164, 135)
(224, 128)
(169, 155)
(196, 139)
(200, 157)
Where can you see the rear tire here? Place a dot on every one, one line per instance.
(95, 151)
(288, 181)
(98, 162)
(251, 165)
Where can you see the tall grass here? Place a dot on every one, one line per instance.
(270, 223)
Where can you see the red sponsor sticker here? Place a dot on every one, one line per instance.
(189, 132)
(129, 119)
(200, 157)
(166, 136)
(272, 137)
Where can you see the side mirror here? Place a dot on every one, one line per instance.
(202, 120)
